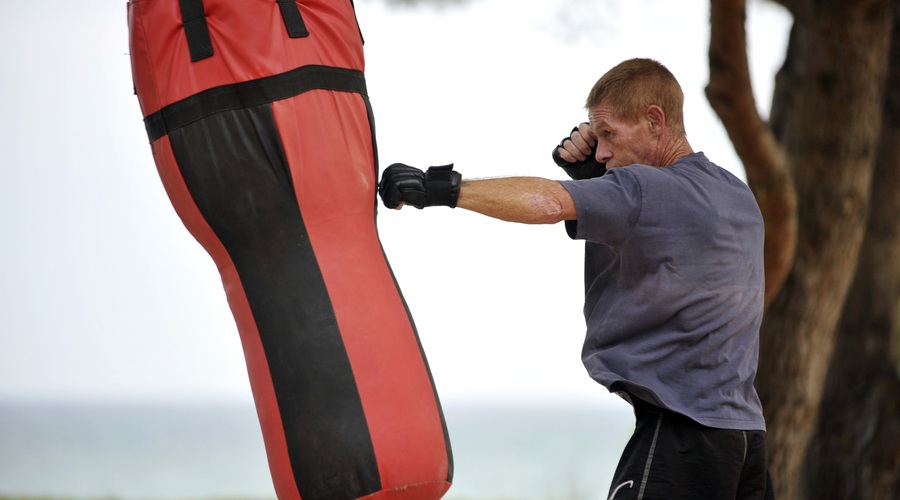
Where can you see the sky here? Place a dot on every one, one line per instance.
(105, 296)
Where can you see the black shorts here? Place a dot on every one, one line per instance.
(671, 457)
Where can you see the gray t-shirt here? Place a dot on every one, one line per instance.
(674, 287)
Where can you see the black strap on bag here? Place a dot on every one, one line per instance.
(253, 93)
(195, 29)
(293, 21)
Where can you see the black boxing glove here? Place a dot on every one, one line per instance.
(584, 169)
(400, 183)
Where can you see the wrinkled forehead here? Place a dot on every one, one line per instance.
(601, 116)
(598, 114)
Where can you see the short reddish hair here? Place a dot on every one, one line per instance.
(632, 85)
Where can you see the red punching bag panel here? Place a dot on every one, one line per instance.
(262, 133)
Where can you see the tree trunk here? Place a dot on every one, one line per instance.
(856, 449)
(730, 94)
(826, 116)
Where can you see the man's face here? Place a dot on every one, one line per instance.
(620, 142)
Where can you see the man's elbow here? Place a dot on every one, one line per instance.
(555, 204)
(548, 210)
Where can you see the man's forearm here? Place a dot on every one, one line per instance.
(529, 200)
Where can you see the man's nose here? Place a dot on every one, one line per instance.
(603, 153)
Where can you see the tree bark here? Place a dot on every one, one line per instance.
(826, 115)
(855, 450)
(830, 128)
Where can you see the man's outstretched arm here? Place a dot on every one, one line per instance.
(528, 200)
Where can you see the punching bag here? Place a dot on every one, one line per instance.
(262, 133)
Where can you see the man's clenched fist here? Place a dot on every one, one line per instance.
(402, 184)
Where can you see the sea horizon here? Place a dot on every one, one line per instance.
(180, 450)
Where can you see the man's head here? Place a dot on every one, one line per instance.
(636, 113)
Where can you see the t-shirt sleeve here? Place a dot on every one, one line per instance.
(607, 207)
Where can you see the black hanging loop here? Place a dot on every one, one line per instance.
(293, 21)
(195, 29)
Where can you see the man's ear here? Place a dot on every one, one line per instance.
(655, 116)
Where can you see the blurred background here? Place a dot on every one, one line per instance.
(116, 343)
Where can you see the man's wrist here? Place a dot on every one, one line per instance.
(442, 186)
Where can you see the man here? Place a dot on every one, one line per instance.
(673, 281)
